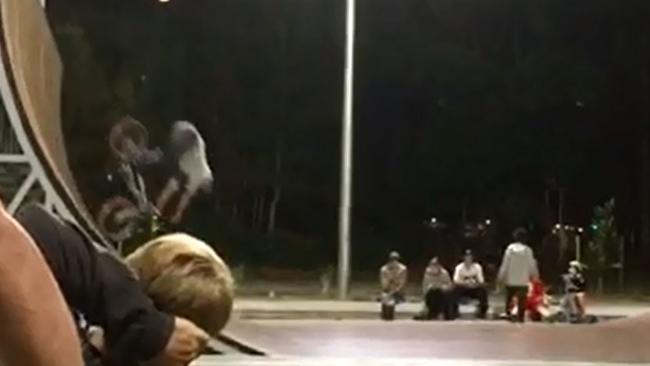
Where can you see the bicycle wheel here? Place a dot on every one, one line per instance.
(118, 218)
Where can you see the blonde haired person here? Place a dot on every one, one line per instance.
(157, 308)
(184, 276)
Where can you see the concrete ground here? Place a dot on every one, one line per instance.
(261, 308)
(303, 361)
(303, 332)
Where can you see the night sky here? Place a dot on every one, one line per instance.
(464, 109)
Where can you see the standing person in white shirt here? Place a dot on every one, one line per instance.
(518, 269)
(470, 283)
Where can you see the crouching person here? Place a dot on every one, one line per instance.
(575, 288)
(438, 291)
(157, 308)
(392, 277)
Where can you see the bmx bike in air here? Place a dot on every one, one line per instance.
(132, 215)
(126, 216)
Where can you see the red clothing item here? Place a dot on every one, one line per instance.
(535, 299)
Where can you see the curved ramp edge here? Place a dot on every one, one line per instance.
(33, 69)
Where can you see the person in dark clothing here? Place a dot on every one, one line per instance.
(97, 284)
(437, 288)
(101, 287)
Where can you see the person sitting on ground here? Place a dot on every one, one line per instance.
(518, 269)
(470, 283)
(437, 289)
(157, 308)
(37, 328)
(537, 306)
(575, 289)
(392, 277)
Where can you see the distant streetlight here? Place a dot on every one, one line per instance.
(434, 220)
(578, 244)
(488, 222)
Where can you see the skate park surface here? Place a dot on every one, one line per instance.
(315, 336)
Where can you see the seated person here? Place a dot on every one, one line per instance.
(575, 288)
(393, 277)
(470, 283)
(537, 305)
(158, 308)
(437, 289)
(37, 328)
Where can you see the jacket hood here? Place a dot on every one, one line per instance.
(518, 247)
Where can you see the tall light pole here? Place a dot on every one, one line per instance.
(346, 155)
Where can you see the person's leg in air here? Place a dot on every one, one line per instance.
(192, 161)
(183, 203)
(199, 178)
(172, 186)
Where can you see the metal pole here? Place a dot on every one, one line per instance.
(578, 249)
(621, 273)
(560, 207)
(346, 156)
(564, 240)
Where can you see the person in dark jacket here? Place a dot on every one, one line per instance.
(137, 328)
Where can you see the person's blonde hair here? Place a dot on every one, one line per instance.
(186, 277)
